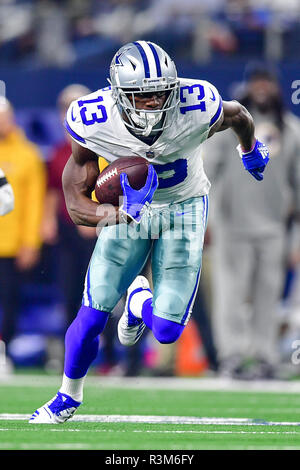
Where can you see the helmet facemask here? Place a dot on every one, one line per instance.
(145, 121)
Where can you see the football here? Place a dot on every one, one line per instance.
(108, 186)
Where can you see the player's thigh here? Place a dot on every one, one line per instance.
(176, 266)
(118, 257)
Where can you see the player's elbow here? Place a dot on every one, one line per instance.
(74, 217)
(72, 204)
(243, 118)
(73, 209)
(75, 214)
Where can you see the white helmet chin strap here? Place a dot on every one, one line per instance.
(146, 121)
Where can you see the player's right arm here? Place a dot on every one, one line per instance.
(79, 178)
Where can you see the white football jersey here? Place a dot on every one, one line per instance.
(94, 121)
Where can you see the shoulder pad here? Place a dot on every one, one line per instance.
(214, 103)
(83, 114)
(202, 98)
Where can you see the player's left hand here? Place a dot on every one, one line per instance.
(134, 200)
(255, 160)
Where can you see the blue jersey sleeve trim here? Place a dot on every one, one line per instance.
(72, 133)
(218, 113)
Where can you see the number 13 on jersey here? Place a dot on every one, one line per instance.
(188, 90)
(99, 116)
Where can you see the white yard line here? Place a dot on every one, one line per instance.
(84, 446)
(148, 419)
(152, 431)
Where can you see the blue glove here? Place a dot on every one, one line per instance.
(134, 200)
(256, 160)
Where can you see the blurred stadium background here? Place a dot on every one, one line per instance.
(46, 45)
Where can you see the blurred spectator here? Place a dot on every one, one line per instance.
(75, 243)
(16, 29)
(181, 27)
(20, 229)
(117, 19)
(64, 32)
(104, 27)
(249, 232)
(52, 33)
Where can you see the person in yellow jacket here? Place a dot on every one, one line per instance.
(20, 240)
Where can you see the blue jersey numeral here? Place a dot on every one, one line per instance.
(190, 90)
(171, 173)
(100, 116)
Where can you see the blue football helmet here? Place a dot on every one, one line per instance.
(144, 67)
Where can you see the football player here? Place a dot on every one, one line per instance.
(146, 111)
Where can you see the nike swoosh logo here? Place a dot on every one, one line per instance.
(72, 115)
(213, 98)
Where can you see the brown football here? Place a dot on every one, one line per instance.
(108, 186)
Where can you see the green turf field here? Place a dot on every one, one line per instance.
(143, 414)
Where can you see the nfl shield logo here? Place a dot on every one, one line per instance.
(150, 154)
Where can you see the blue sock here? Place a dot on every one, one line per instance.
(165, 331)
(82, 341)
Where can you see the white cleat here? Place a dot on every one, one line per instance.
(56, 411)
(130, 327)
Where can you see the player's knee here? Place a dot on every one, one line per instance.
(106, 297)
(166, 331)
(169, 304)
